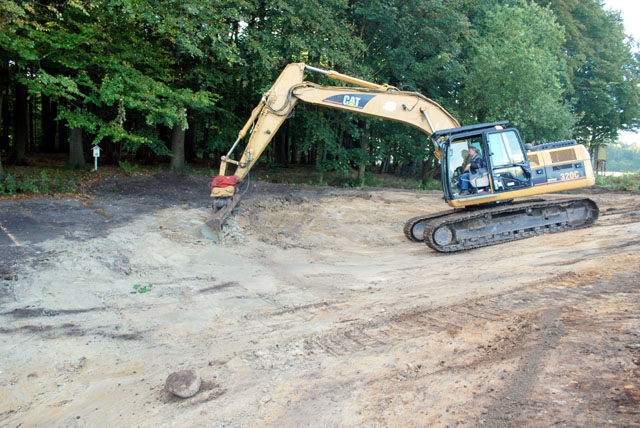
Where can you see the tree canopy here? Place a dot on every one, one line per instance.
(515, 71)
(157, 78)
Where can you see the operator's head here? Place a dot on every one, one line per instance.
(473, 150)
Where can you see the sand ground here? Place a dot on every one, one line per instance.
(313, 311)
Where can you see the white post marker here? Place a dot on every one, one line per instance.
(96, 155)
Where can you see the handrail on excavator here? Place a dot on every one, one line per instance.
(332, 74)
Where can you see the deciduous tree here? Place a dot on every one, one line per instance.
(515, 71)
(604, 72)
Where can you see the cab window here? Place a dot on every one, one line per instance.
(508, 161)
(505, 149)
(459, 157)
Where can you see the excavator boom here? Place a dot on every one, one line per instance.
(383, 101)
(276, 105)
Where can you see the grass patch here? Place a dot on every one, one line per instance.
(630, 181)
(141, 289)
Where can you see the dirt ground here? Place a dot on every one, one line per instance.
(313, 311)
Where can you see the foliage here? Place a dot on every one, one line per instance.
(604, 77)
(415, 43)
(623, 157)
(128, 71)
(141, 289)
(127, 167)
(624, 182)
(36, 181)
(514, 71)
(109, 60)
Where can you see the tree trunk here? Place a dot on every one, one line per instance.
(177, 149)
(6, 120)
(205, 140)
(311, 155)
(303, 158)
(48, 141)
(20, 125)
(430, 170)
(190, 141)
(3, 174)
(593, 149)
(281, 150)
(63, 137)
(4, 95)
(322, 158)
(31, 128)
(364, 146)
(76, 152)
(293, 149)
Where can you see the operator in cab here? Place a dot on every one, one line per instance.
(477, 162)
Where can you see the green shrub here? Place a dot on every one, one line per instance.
(44, 182)
(8, 187)
(127, 167)
(28, 185)
(624, 182)
(38, 181)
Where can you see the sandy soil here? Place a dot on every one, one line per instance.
(313, 311)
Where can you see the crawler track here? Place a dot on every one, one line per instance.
(463, 230)
(414, 227)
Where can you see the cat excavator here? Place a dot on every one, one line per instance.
(487, 214)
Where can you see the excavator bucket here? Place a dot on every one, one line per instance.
(222, 209)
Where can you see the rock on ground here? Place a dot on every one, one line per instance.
(184, 384)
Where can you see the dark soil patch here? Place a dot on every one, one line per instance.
(43, 329)
(219, 287)
(44, 312)
(124, 336)
(67, 330)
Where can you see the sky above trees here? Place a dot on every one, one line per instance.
(630, 12)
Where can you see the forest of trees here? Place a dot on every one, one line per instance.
(623, 157)
(151, 78)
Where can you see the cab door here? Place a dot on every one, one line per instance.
(455, 157)
(508, 163)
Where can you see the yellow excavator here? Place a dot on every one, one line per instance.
(485, 213)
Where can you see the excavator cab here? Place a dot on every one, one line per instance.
(505, 159)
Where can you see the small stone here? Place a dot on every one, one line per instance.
(184, 384)
(265, 400)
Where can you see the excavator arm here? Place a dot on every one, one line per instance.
(383, 101)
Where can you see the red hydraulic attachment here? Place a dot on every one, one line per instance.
(225, 181)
